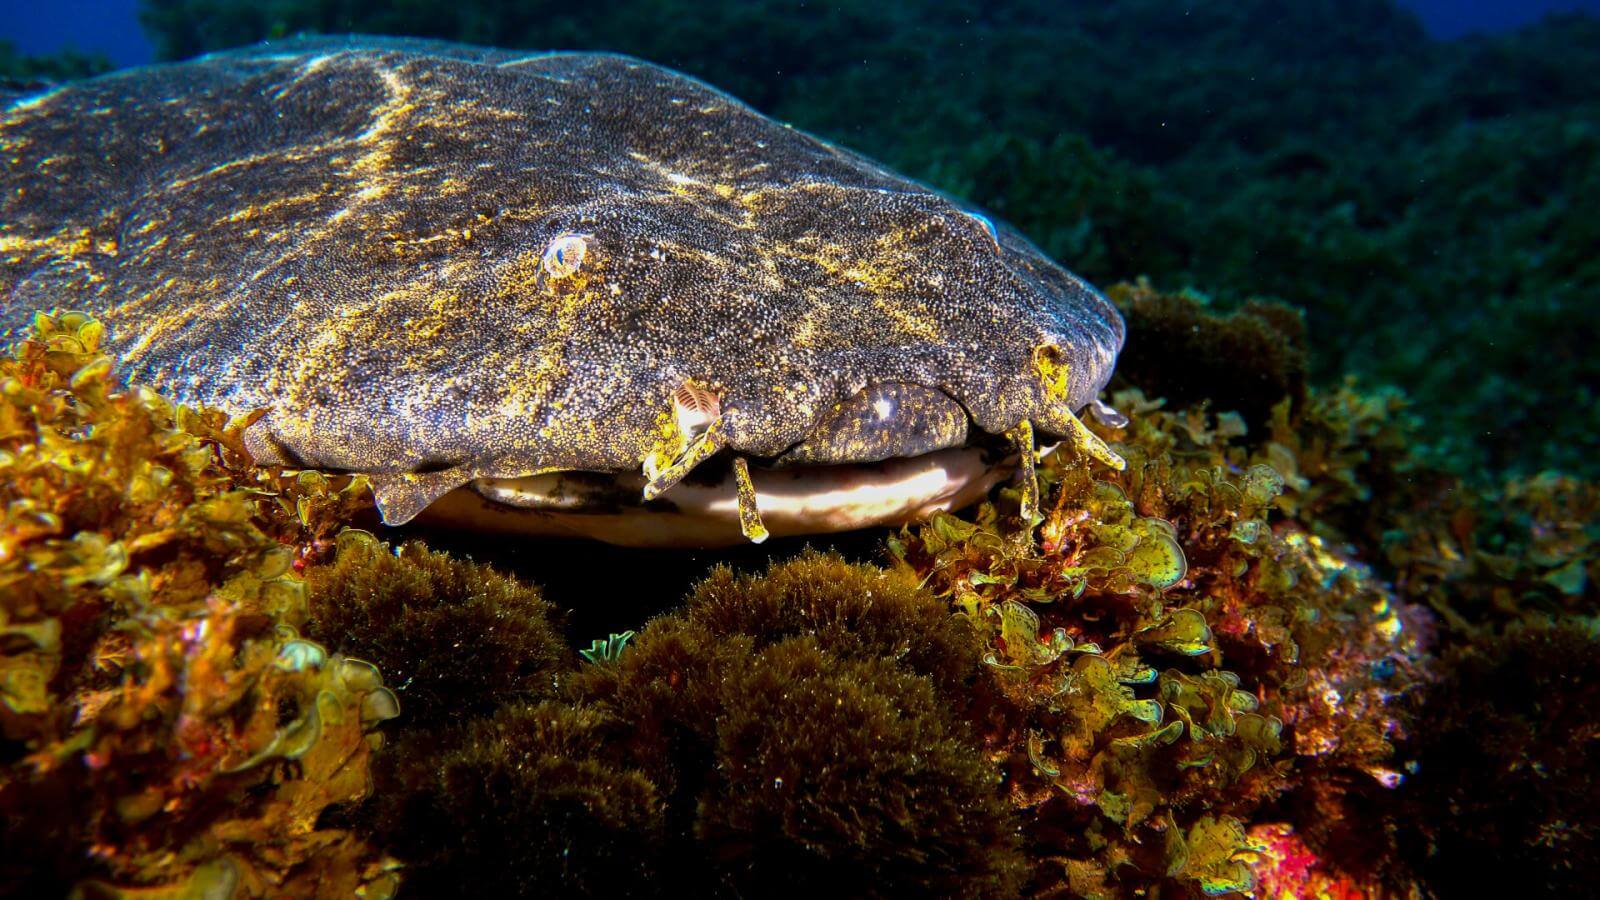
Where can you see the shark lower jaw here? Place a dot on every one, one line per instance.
(798, 500)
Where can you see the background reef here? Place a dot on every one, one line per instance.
(1331, 633)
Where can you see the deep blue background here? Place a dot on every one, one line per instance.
(1453, 18)
(110, 26)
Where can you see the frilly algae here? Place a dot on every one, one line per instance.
(166, 728)
(1174, 651)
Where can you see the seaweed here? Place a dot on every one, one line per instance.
(1177, 655)
(20, 71)
(164, 724)
(804, 728)
(781, 734)
(524, 802)
(458, 638)
(1247, 361)
(1506, 766)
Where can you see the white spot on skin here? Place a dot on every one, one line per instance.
(883, 407)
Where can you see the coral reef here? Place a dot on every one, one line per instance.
(164, 726)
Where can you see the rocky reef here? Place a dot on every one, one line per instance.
(1276, 655)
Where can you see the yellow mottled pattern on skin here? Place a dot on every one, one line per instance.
(1054, 372)
(351, 231)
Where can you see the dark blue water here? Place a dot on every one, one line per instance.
(111, 27)
(1453, 18)
(107, 27)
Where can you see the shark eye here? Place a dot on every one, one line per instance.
(565, 254)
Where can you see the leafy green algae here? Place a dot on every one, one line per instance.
(164, 725)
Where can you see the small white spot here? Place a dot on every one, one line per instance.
(883, 407)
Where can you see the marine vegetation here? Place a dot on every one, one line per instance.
(788, 732)
(1171, 679)
(457, 639)
(1184, 350)
(1179, 656)
(20, 71)
(164, 725)
(1509, 769)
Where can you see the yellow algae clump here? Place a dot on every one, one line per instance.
(1170, 649)
(166, 728)
(1157, 560)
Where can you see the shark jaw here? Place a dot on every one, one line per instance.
(795, 500)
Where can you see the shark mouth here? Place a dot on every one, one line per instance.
(703, 510)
